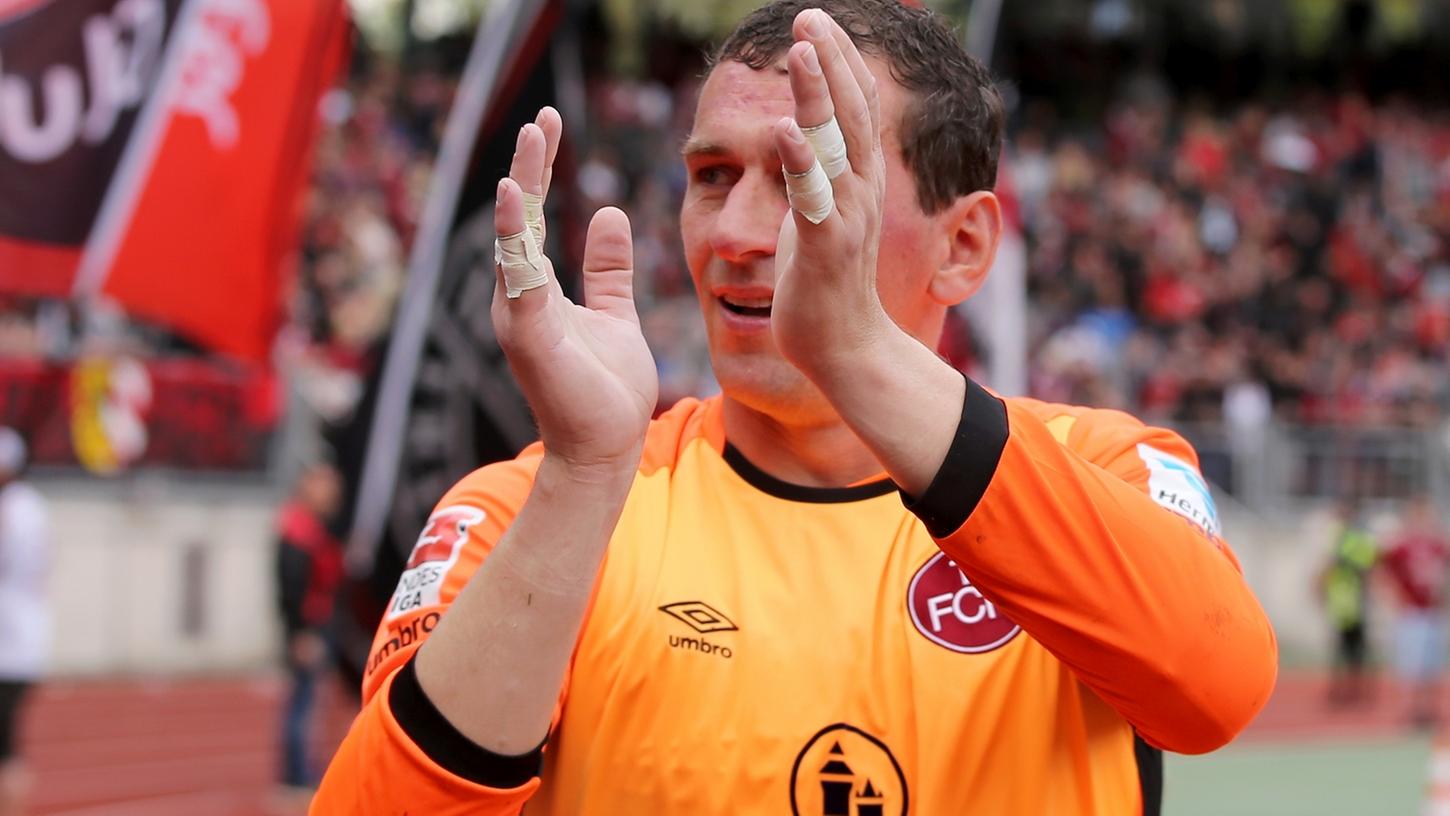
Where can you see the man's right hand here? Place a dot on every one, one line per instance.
(307, 650)
(586, 370)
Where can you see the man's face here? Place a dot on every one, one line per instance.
(731, 218)
(321, 489)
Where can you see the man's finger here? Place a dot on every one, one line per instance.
(807, 186)
(609, 265)
(813, 104)
(518, 257)
(527, 171)
(508, 213)
(552, 125)
(864, 78)
(814, 111)
(847, 97)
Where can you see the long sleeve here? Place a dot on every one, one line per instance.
(1098, 535)
(401, 755)
(294, 570)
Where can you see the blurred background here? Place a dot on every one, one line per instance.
(244, 285)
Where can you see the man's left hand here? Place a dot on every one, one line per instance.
(826, 309)
(827, 318)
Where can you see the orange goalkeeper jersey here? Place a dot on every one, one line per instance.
(1017, 640)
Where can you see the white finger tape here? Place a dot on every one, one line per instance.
(534, 215)
(810, 193)
(522, 262)
(830, 146)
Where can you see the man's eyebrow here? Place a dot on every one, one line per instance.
(701, 147)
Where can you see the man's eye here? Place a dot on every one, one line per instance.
(712, 175)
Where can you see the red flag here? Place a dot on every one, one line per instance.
(218, 217)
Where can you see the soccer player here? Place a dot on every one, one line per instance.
(854, 583)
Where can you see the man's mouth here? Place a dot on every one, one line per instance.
(747, 306)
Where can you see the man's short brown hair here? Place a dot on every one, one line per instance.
(950, 132)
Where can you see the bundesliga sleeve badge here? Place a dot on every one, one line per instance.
(435, 553)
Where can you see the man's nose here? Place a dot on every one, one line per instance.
(749, 223)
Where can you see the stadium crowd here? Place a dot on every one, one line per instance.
(370, 175)
(1291, 260)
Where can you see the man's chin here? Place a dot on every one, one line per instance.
(766, 383)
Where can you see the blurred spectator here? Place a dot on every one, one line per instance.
(1345, 586)
(24, 621)
(1418, 564)
(309, 569)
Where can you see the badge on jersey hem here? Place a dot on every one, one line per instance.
(846, 771)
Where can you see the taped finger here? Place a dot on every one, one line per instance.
(810, 193)
(829, 144)
(534, 215)
(522, 262)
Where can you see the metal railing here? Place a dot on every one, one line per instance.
(1278, 466)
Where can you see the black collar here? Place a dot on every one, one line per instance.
(765, 483)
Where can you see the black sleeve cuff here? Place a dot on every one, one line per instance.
(443, 743)
(970, 464)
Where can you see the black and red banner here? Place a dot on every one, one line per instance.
(155, 151)
(74, 76)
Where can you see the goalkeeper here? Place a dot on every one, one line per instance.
(856, 582)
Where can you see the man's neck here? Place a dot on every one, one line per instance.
(811, 454)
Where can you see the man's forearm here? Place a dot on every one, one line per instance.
(495, 665)
(901, 399)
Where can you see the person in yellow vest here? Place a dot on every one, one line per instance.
(855, 581)
(1345, 586)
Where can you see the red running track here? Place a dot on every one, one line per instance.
(168, 748)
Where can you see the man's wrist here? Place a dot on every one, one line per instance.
(599, 477)
(840, 357)
(882, 357)
(902, 399)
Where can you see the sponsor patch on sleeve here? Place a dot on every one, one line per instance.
(435, 553)
(1178, 486)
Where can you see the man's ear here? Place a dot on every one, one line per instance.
(974, 226)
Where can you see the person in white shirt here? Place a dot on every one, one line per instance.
(24, 621)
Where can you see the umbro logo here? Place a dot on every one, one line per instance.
(700, 616)
(704, 619)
